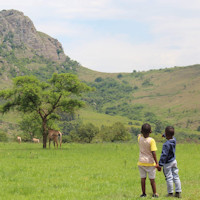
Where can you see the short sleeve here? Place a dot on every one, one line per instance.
(153, 145)
(139, 136)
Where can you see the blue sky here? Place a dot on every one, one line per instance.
(119, 35)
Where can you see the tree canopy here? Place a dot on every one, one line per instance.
(29, 95)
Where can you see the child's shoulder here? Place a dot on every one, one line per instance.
(139, 136)
(152, 140)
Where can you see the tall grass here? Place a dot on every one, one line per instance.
(86, 172)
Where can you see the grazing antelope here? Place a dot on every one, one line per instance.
(35, 140)
(53, 135)
(19, 139)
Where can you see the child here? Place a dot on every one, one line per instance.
(147, 159)
(169, 163)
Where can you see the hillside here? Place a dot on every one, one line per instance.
(161, 97)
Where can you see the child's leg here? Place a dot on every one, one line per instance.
(143, 175)
(176, 179)
(143, 185)
(152, 176)
(167, 169)
(153, 185)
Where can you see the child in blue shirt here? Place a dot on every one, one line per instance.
(169, 163)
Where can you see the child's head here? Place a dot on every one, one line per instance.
(169, 132)
(146, 129)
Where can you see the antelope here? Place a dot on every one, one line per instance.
(53, 135)
(35, 140)
(19, 139)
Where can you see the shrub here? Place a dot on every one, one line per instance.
(119, 76)
(135, 131)
(147, 83)
(119, 132)
(3, 136)
(84, 133)
(99, 79)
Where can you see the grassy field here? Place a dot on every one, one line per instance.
(99, 119)
(86, 172)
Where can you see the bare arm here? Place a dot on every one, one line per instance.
(155, 158)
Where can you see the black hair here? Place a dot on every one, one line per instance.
(146, 129)
(169, 130)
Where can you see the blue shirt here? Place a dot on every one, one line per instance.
(168, 152)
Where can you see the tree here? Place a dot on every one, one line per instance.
(31, 125)
(119, 132)
(29, 95)
(87, 132)
(159, 126)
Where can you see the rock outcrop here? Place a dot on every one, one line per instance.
(18, 30)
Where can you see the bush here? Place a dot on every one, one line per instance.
(116, 132)
(87, 132)
(119, 76)
(3, 136)
(67, 139)
(135, 131)
(105, 135)
(84, 133)
(99, 79)
(120, 132)
(147, 83)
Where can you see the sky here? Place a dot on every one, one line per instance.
(119, 35)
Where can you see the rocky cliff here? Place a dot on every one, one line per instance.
(17, 30)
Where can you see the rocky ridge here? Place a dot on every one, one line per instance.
(18, 30)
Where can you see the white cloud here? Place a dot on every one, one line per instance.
(173, 25)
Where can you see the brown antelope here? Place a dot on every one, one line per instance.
(53, 135)
(19, 139)
(35, 140)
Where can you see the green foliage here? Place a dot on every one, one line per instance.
(31, 125)
(134, 112)
(105, 135)
(119, 76)
(31, 63)
(29, 95)
(116, 132)
(107, 90)
(3, 136)
(147, 83)
(150, 117)
(135, 131)
(98, 79)
(187, 137)
(87, 132)
(159, 128)
(82, 133)
(120, 132)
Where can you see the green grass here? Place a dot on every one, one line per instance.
(86, 172)
(99, 119)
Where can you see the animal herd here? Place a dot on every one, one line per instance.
(53, 135)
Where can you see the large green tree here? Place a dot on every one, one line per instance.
(29, 95)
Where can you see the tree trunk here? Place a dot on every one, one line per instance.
(44, 127)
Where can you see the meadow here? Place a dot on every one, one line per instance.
(87, 172)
